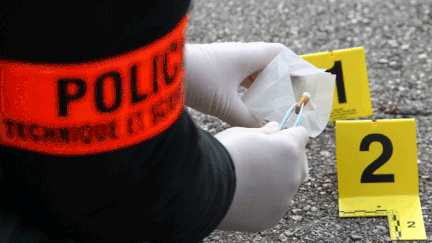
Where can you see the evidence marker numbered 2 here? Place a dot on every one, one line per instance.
(378, 174)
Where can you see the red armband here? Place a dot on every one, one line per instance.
(93, 107)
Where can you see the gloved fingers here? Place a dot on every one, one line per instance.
(239, 114)
(305, 171)
(231, 58)
(256, 56)
(307, 175)
(269, 128)
(300, 133)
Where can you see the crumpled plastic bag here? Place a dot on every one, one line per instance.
(282, 83)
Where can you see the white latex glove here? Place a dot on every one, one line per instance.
(214, 72)
(269, 165)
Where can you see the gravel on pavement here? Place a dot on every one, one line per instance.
(397, 39)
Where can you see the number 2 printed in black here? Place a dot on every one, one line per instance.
(368, 176)
(411, 224)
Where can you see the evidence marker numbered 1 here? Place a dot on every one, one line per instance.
(351, 95)
(378, 174)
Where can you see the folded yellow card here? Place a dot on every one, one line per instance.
(378, 174)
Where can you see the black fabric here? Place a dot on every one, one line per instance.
(70, 32)
(175, 187)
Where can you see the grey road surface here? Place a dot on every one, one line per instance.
(397, 39)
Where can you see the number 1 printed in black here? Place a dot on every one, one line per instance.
(340, 86)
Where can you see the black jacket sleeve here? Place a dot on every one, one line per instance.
(175, 187)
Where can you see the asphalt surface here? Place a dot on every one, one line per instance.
(397, 39)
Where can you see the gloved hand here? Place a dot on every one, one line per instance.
(214, 72)
(269, 165)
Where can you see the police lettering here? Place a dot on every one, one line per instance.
(64, 85)
(165, 106)
(64, 98)
(134, 123)
(99, 94)
(86, 133)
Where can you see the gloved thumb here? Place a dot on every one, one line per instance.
(270, 128)
(300, 133)
(240, 115)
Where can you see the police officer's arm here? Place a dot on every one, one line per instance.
(180, 181)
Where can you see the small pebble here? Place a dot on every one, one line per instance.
(383, 61)
(325, 153)
(382, 228)
(355, 237)
(297, 217)
(405, 47)
(283, 237)
(422, 56)
(297, 211)
(392, 63)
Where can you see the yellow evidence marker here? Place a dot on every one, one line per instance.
(352, 96)
(378, 174)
